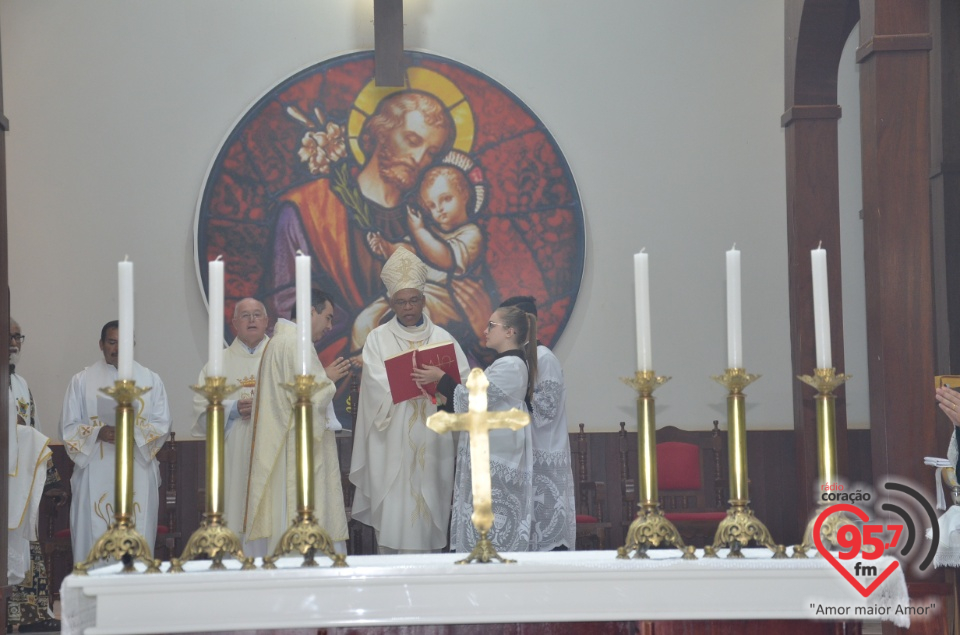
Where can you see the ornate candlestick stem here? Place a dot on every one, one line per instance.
(305, 534)
(737, 448)
(213, 538)
(740, 526)
(647, 450)
(122, 541)
(825, 381)
(650, 527)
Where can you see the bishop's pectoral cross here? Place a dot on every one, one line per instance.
(478, 422)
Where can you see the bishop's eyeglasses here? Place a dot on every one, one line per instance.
(399, 303)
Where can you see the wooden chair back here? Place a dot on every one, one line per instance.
(590, 496)
(168, 530)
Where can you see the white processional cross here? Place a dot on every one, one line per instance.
(478, 422)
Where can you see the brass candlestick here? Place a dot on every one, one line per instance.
(213, 538)
(122, 541)
(651, 527)
(305, 534)
(740, 527)
(825, 381)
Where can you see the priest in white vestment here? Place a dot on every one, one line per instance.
(555, 508)
(28, 453)
(403, 471)
(87, 427)
(271, 495)
(241, 362)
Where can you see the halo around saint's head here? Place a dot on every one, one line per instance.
(423, 80)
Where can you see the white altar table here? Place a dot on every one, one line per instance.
(586, 586)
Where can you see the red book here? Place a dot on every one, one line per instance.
(400, 367)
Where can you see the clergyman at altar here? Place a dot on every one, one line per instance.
(29, 472)
(403, 471)
(241, 362)
(87, 427)
(271, 496)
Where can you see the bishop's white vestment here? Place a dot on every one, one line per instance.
(85, 411)
(271, 495)
(511, 465)
(554, 509)
(403, 471)
(240, 367)
(26, 476)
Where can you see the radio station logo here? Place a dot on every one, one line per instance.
(862, 544)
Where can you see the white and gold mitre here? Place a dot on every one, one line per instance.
(403, 270)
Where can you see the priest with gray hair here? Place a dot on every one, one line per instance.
(241, 362)
(29, 471)
(402, 470)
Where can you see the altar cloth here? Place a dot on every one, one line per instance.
(394, 590)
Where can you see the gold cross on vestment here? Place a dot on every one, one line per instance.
(478, 422)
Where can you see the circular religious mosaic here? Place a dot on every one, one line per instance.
(453, 167)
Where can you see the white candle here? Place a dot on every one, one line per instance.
(821, 307)
(734, 323)
(125, 343)
(304, 342)
(642, 295)
(215, 324)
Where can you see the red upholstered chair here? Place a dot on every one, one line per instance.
(590, 497)
(693, 504)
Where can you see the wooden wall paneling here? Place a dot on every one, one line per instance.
(894, 56)
(192, 492)
(774, 486)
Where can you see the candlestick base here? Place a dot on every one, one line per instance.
(650, 529)
(828, 531)
(484, 552)
(213, 538)
(306, 537)
(741, 527)
(120, 542)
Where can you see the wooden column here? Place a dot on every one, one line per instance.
(945, 190)
(815, 33)
(894, 58)
(4, 368)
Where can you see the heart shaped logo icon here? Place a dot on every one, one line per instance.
(862, 515)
